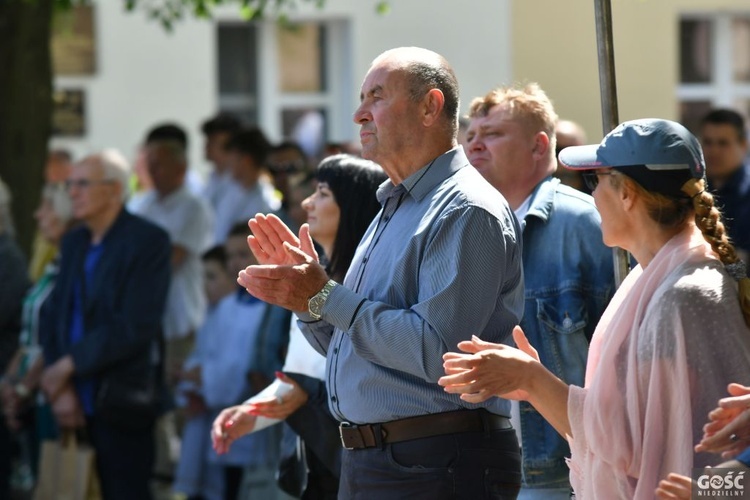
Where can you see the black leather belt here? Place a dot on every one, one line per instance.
(354, 437)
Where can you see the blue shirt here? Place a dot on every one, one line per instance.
(441, 262)
(733, 198)
(245, 335)
(84, 388)
(744, 457)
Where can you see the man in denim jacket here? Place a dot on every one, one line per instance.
(568, 272)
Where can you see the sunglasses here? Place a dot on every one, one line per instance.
(591, 177)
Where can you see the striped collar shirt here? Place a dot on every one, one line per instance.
(439, 263)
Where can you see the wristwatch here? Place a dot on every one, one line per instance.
(317, 301)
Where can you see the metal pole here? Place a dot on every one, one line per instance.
(608, 93)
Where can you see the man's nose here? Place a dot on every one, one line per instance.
(361, 115)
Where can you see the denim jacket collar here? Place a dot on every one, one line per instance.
(542, 199)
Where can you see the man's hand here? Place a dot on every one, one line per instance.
(56, 377)
(231, 424)
(270, 238)
(11, 405)
(67, 409)
(196, 405)
(289, 286)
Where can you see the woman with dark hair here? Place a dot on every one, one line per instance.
(344, 177)
(338, 214)
(672, 338)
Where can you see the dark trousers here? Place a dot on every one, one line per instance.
(124, 460)
(232, 481)
(321, 483)
(471, 465)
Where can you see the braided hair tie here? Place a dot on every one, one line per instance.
(736, 270)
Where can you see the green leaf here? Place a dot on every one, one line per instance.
(247, 13)
(383, 8)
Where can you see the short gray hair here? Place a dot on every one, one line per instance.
(116, 168)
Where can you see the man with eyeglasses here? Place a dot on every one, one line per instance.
(568, 272)
(101, 329)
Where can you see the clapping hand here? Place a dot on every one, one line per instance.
(272, 240)
(728, 429)
(487, 369)
(674, 487)
(288, 273)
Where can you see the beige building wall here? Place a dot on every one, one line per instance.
(554, 43)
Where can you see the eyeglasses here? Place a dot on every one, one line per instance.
(85, 183)
(591, 177)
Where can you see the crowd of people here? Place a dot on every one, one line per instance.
(433, 314)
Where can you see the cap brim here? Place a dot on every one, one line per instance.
(580, 157)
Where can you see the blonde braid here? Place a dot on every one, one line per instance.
(708, 220)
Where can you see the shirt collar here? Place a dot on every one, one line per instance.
(523, 208)
(424, 180)
(542, 199)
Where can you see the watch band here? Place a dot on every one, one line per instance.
(317, 301)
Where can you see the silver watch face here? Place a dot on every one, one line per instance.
(315, 305)
(317, 301)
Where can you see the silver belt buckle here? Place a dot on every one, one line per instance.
(342, 426)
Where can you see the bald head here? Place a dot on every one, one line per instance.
(425, 70)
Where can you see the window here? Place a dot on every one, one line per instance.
(293, 80)
(714, 65)
(238, 78)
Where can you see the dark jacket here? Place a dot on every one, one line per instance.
(123, 308)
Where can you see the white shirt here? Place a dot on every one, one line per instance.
(189, 222)
(301, 357)
(515, 408)
(238, 204)
(215, 186)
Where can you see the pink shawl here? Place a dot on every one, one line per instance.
(662, 355)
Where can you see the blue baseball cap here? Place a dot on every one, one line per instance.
(660, 155)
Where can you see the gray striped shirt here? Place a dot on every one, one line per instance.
(440, 262)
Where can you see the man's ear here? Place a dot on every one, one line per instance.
(432, 107)
(541, 145)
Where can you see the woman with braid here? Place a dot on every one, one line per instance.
(672, 338)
